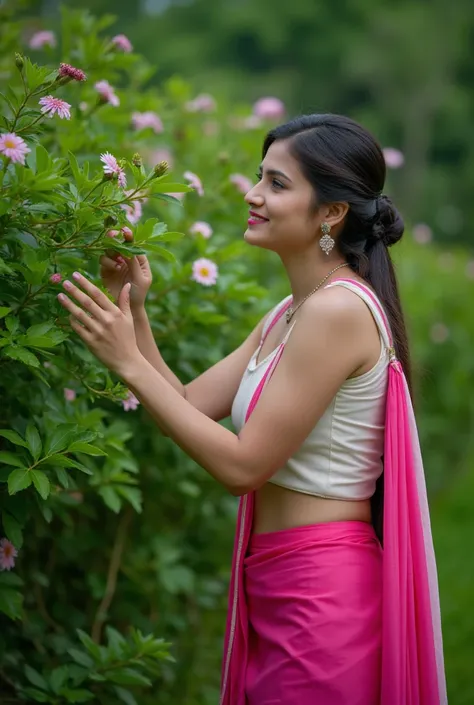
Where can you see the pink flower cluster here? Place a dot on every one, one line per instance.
(107, 93)
(131, 403)
(202, 228)
(241, 182)
(42, 39)
(55, 278)
(205, 272)
(203, 103)
(269, 108)
(51, 105)
(111, 167)
(13, 147)
(68, 71)
(141, 121)
(8, 553)
(120, 41)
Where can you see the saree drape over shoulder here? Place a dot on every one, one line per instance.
(295, 634)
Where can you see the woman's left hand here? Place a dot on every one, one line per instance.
(106, 329)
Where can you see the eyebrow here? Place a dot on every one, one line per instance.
(276, 172)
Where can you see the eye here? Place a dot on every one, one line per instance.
(277, 184)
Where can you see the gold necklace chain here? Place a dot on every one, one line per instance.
(290, 312)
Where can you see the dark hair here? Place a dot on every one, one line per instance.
(344, 163)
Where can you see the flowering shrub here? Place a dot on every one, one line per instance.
(111, 539)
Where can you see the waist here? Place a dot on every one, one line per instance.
(337, 532)
(279, 508)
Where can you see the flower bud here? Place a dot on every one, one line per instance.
(160, 169)
(19, 63)
(137, 160)
(111, 233)
(126, 231)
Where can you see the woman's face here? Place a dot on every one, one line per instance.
(282, 216)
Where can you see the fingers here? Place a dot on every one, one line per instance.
(110, 264)
(77, 314)
(93, 300)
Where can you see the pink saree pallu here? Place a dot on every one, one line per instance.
(322, 614)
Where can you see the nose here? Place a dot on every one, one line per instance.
(253, 197)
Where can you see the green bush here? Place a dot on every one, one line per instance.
(122, 542)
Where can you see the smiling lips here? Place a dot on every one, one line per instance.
(256, 219)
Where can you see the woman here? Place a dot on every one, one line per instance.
(318, 612)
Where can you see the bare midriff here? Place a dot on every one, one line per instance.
(278, 508)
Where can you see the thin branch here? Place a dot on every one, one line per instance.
(114, 567)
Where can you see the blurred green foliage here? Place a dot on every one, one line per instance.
(123, 541)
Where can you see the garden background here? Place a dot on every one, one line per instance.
(115, 547)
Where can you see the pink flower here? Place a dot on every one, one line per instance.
(66, 70)
(123, 43)
(52, 105)
(439, 333)
(107, 93)
(134, 209)
(269, 109)
(42, 39)
(112, 233)
(203, 103)
(242, 183)
(69, 394)
(202, 228)
(422, 234)
(161, 155)
(194, 181)
(394, 159)
(111, 166)
(131, 402)
(126, 231)
(141, 121)
(55, 278)
(8, 553)
(205, 272)
(13, 147)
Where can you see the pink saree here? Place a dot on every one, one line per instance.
(406, 667)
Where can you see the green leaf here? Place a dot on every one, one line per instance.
(111, 498)
(13, 529)
(169, 187)
(39, 329)
(11, 459)
(170, 237)
(4, 311)
(81, 658)
(89, 644)
(35, 678)
(43, 161)
(58, 678)
(12, 324)
(60, 438)
(128, 676)
(132, 495)
(87, 448)
(62, 476)
(19, 480)
(33, 441)
(161, 252)
(22, 355)
(38, 341)
(11, 602)
(41, 482)
(125, 696)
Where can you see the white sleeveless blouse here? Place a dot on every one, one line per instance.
(342, 456)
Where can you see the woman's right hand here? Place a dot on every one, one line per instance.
(116, 271)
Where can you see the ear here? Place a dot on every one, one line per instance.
(335, 213)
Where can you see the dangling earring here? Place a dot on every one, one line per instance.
(327, 242)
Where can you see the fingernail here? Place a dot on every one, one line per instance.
(61, 297)
(67, 284)
(76, 276)
(118, 266)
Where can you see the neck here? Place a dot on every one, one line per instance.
(307, 269)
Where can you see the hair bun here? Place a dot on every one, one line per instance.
(389, 226)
